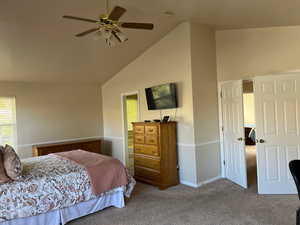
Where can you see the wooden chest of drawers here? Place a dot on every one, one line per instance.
(155, 153)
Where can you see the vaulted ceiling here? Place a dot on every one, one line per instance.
(37, 45)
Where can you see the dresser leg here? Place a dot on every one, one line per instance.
(162, 187)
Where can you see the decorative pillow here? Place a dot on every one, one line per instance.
(3, 176)
(12, 163)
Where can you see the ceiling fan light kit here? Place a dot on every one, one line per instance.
(108, 26)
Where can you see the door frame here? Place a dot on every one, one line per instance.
(222, 149)
(124, 121)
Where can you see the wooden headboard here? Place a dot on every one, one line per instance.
(91, 145)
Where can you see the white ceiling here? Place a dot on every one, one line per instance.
(36, 45)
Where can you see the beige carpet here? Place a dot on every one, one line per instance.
(218, 203)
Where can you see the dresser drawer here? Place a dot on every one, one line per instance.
(146, 149)
(151, 140)
(139, 129)
(147, 162)
(146, 173)
(152, 130)
(139, 139)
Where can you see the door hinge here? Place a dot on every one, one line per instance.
(221, 94)
(222, 128)
(224, 163)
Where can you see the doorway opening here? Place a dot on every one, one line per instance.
(273, 132)
(131, 114)
(250, 133)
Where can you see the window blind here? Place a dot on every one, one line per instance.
(8, 131)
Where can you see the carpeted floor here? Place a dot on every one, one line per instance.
(218, 203)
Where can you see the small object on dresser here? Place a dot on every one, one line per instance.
(165, 119)
(157, 121)
(147, 121)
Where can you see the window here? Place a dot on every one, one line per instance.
(8, 126)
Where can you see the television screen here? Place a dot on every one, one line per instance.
(162, 97)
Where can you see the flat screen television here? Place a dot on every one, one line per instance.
(162, 97)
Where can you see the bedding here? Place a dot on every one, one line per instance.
(3, 176)
(12, 163)
(115, 198)
(105, 172)
(47, 183)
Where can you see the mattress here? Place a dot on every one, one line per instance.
(48, 183)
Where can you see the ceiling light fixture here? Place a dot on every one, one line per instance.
(108, 26)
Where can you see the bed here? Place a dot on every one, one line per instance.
(55, 190)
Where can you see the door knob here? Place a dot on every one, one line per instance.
(260, 141)
(240, 139)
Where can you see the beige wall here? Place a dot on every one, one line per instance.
(169, 60)
(249, 52)
(52, 112)
(208, 162)
(166, 61)
(186, 56)
(204, 81)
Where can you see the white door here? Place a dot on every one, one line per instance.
(233, 131)
(277, 100)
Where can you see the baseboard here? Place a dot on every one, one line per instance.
(200, 184)
(199, 144)
(207, 143)
(188, 183)
(209, 181)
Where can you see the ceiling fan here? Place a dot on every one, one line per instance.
(108, 26)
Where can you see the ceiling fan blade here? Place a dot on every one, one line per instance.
(87, 32)
(116, 13)
(145, 26)
(79, 18)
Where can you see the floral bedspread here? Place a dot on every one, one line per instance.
(47, 183)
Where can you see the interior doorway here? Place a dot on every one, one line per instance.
(257, 147)
(250, 132)
(130, 115)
